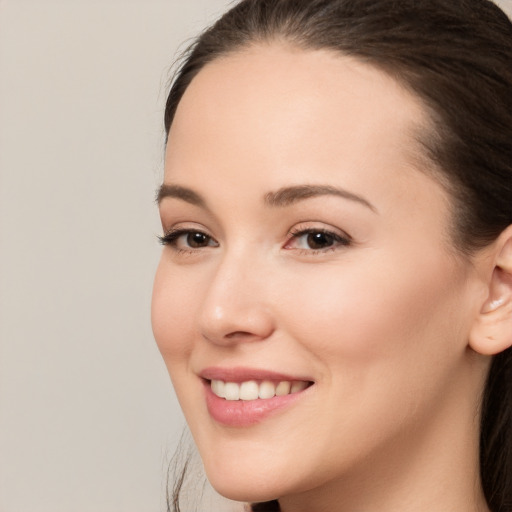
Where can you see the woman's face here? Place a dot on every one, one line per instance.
(306, 256)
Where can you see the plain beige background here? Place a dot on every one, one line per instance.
(88, 420)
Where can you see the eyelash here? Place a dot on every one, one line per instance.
(336, 239)
(171, 239)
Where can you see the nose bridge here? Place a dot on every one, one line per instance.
(235, 306)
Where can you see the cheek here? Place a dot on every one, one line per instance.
(386, 344)
(376, 311)
(172, 308)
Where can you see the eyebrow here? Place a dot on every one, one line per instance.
(289, 195)
(285, 196)
(179, 192)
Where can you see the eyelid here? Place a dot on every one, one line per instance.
(172, 235)
(341, 238)
(337, 238)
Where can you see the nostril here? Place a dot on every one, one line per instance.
(235, 322)
(239, 334)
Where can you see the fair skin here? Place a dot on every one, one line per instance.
(355, 290)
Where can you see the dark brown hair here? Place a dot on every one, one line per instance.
(456, 55)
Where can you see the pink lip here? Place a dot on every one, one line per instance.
(241, 374)
(241, 413)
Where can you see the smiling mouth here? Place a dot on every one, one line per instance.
(254, 390)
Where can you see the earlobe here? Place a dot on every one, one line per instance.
(491, 332)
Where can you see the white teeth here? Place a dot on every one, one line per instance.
(218, 388)
(298, 385)
(267, 389)
(249, 390)
(231, 391)
(283, 388)
(252, 390)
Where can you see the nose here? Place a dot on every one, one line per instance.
(236, 307)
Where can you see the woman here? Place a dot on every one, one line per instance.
(334, 298)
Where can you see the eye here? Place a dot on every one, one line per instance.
(318, 240)
(315, 240)
(196, 239)
(187, 239)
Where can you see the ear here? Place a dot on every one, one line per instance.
(491, 332)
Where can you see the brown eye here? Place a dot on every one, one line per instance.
(319, 240)
(314, 240)
(197, 240)
(188, 239)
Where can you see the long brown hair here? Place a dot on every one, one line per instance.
(456, 55)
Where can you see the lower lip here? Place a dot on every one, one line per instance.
(244, 413)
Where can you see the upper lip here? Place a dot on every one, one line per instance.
(242, 374)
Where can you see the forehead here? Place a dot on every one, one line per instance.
(274, 114)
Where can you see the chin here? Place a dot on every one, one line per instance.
(245, 492)
(248, 486)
